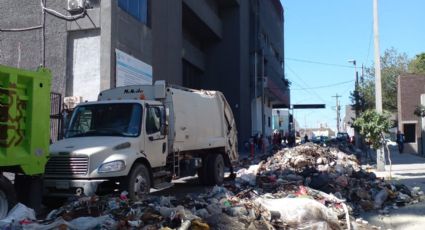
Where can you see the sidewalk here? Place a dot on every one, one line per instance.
(408, 169)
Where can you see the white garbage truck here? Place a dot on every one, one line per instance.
(139, 137)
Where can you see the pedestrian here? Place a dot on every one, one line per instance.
(260, 142)
(400, 141)
(306, 138)
(279, 138)
(291, 139)
(265, 144)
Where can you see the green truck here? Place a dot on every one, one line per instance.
(24, 135)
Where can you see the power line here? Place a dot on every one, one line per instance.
(326, 86)
(21, 29)
(319, 63)
(296, 75)
(370, 42)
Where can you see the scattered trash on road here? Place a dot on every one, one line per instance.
(305, 187)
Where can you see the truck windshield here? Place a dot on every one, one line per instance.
(121, 119)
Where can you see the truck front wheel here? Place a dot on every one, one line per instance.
(7, 196)
(138, 182)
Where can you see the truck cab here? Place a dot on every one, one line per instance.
(102, 141)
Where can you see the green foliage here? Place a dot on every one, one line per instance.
(393, 64)
(372, 126)
(417, 65)
(287, 82)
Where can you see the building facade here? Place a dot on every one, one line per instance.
(409, 91)
(229, 45)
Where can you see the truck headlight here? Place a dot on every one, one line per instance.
(113, 166)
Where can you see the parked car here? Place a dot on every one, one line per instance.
(320, 139)
(343, 137)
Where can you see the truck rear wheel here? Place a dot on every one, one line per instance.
(138, 182)
(7, 196)
(215, 169)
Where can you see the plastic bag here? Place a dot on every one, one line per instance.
(248, 175)
(16, 214)
(302, 213)
(380, 198)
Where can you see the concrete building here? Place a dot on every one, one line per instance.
(229, 45)
(409, 90)
(280, 120)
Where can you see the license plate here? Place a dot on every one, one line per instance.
(62, 185)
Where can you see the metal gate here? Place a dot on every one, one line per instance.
(56, 123)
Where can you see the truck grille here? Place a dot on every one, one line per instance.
(67, 166)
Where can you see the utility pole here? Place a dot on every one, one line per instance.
(378, 93)
(356, 98)
(338, 108)
(263, 117)
(380, 156)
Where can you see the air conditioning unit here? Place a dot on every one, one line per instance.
(76, 5)
(71, 102)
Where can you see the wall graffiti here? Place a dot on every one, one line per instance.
(11, 131)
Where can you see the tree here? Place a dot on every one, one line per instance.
(393, 64)
(417, 65)
(373, 126)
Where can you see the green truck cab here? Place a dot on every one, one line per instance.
(24, 134)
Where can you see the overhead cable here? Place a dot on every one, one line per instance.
(22, 29)
(311, 91)
(326, 86)
(59, 15)
(318, 63)
(50, 11)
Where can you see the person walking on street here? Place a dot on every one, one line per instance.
(400, 141)
(306, 138)
(264, 144)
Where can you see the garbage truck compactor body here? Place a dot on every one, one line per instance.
(139, 137)
(24, 135)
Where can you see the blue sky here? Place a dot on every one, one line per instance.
(333, 32)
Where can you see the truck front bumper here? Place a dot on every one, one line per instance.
(65, 188)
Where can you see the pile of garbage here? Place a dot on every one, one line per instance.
(220, 208)
(306, 187)
(333, 172)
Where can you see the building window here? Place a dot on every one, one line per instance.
(409, 133)
(192, 76)
(136, 8)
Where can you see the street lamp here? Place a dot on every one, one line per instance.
(356, 98)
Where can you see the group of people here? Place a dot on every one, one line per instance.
(277, 140)
(261, 143)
